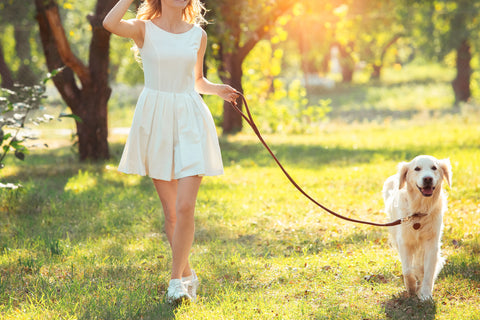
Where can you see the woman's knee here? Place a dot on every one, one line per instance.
(170, 214)
(170, 218)
(185, 209)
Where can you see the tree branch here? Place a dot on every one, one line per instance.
(389, 44)
(63, 46)
(264, 29)
(65, 80)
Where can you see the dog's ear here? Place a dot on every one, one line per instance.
(446, 168)
(402, 173)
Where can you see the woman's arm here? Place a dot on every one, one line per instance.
(203, 86)
(134, 29)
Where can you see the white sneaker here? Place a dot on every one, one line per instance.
(177, 293)
(191, 283)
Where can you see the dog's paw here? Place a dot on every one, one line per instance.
(425, 294)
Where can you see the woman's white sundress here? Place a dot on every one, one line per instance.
(173, 134)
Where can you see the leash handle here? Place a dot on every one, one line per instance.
(249, 119)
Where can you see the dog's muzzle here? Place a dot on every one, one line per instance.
(428, 187)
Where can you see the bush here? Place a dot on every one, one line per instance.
(279, 104)
(16, 109)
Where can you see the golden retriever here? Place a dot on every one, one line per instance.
(415, 194)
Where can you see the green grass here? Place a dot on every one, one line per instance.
(82, 241)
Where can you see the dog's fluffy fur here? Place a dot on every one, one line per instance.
(417, 188)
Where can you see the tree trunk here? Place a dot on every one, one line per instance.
(232, 65)
(5, 73)
(377, 68)
(92, 131)
(89, 102)
(25, 75)
(236, 40)
(461, 84)
(346, 62)
(303, 48)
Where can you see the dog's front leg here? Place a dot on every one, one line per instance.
(431, 260)
(408, 270)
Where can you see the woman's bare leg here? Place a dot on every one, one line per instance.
(167, 192)
(184, 231)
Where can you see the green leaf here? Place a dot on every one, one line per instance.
(74, 116)
(16, 144)
(52, 74)
(20, 155)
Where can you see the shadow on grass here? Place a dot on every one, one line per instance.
(403, 307)
(44, 209)
(462, 266)
(158, 310)
(126, 305)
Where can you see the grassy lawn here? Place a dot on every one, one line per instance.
(82, 241)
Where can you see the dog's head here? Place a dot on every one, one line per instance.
(425, 173)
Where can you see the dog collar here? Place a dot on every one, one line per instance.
(416, 225)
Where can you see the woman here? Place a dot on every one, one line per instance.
(173, 138)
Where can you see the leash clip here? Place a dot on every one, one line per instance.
(416, 225)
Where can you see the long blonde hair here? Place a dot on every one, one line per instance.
(193, 12)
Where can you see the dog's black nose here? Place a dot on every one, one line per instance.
(427, 181)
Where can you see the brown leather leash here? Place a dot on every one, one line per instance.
(249, 120)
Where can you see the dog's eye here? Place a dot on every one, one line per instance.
(417, 169)
(434, 168)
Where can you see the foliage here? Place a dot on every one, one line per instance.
(277, 98)
(238, 27)
(19, 40)
(17, 108)
(248, 21)
(450, 22)
(278, 104)
(360, 32)
(123, 67)
(440, 28)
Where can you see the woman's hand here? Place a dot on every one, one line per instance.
(228, 93)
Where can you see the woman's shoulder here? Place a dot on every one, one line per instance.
(200, 30)
(140, 27)
(135, 21)
(138, 22)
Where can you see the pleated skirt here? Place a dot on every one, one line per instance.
(172, 136)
